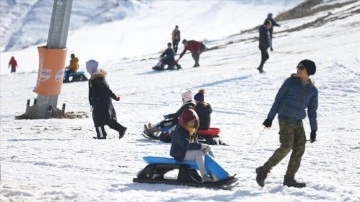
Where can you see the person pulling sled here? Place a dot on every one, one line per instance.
(167, 58)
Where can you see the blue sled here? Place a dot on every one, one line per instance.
(157, 167)
(77, 76)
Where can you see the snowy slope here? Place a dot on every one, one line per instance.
(56, 159)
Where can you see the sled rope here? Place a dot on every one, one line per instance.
(257, 139)
(137, 113)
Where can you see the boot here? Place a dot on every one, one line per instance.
(261, 174)
(260, 69)
(291, 182)
(122, 132)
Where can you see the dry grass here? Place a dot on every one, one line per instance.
(307, 8)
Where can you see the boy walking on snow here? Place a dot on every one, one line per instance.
(296, 94)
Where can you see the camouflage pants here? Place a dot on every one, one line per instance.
(292, 137)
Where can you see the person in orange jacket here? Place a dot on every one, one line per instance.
(13, 64)
(72, 68)
(195, 47)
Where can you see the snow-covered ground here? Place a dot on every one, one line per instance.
(57, 159)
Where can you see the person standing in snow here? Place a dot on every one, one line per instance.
(273, 23)
(13, 64)
(296, 94)
(72, 68)
(195, 47)
(171, 120)
(264, 43)
(103, 112)
(185, 147)
(175, 37)
(203, 110)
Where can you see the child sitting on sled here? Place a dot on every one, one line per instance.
(170, 120)
(167, 58)
(184, 145)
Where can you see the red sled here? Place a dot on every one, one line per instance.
(209, 132)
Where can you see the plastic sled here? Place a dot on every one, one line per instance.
(158, 167)
(161, 66)
(77, 76)
(210, 136)
(162, 135)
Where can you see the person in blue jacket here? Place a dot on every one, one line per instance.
(296, 94)
(184, 145)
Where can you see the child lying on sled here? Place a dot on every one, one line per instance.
(171, 120)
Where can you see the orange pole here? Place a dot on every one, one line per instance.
(51, 71)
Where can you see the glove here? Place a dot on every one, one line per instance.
(117, 98)
(267, 123)
(313, 136)
(205, 147)
(166, 116)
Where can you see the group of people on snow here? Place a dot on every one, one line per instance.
(168, 56)
(297, 94)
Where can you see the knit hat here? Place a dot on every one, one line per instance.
(200, 95)
(309, 66)
(186, 116)
(187, 95)
(92, 66)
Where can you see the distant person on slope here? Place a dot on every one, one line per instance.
(167, 58)
(72, 68)
(175, 37)
(13, 64)
(264, 43)
(296, 94)
(273, 23)
(195, 47)
(103, 112)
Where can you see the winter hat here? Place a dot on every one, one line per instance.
(187, 95)
(92, 66)
(186, 116)
(200, 95)
(309, 66)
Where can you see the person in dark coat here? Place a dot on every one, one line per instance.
(167, 58)
(103, 112)
(273, 23)
(296, 94)
(175, 37)
(195, 47)
(264, 43)
(171, 120)
(185, 147)
(203, 110)
(13, 64)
